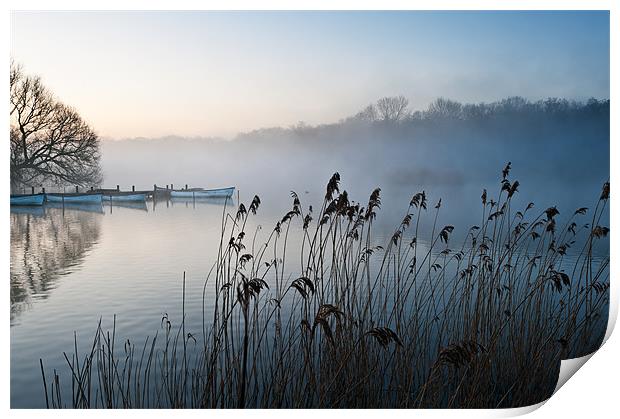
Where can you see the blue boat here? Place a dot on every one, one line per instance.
(203, 193)
(124, 197)
(81, 198)
(137, 205)
(36, 199)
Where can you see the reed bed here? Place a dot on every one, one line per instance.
(343, 322)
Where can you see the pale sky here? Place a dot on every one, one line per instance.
(153, 74)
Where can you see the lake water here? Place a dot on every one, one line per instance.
(72, 266)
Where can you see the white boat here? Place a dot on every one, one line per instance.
(203, 193)
(36, 199)
(84, 198)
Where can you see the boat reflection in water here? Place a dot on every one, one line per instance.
(189, 202)
(33, 211)
(136, 205)
(75, 206)
(47, 242)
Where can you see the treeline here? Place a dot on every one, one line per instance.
(395, 110)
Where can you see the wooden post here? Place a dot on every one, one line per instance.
(133, 188)
(43, 190)
(33, 190)
(166, 187)
(118, 188)
(171, 186)
(76, 189)
(186, 186)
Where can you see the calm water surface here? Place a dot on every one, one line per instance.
(72, 267)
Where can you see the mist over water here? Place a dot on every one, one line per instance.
(560, 157)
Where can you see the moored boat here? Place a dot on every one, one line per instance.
(85, 198)
(124, 197)
(167, 190)
(34, 199)
(203, 193)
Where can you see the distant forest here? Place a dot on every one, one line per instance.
(551, 141)
(395, 111)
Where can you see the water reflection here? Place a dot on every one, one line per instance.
(28, 210)
(226, 202)
(140, 206)
(73, 206)
(45, 243)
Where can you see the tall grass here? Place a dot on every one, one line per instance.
(340, 321)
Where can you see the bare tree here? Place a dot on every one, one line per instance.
(392, 109)
(444, 109)
(50, 142)
(369, 113)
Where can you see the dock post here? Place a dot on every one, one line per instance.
(76, 189)
(186, 186)
(133, 188)
(118, 188)
(171, 186)
(43, 190)
(33, 190)
(166, 187)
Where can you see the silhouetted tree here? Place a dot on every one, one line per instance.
(476, 111)
(369, 113)
(444, 109)
(395, 109)
(392, 109)
(50, 142)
